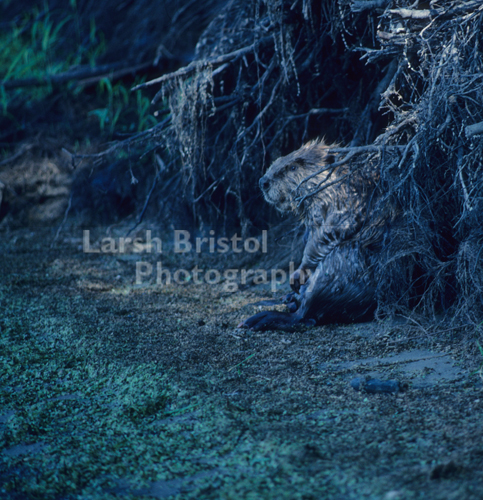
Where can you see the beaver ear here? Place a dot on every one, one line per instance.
(329, 159)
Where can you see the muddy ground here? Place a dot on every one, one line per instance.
(112, 389)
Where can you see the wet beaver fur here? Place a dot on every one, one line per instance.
(345, 232)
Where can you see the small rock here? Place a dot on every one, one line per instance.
(443, 471)
(375, 386)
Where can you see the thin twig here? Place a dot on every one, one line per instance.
(18, 154)
(64, 220)
(146, 203)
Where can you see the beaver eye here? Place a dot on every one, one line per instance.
(293, 167)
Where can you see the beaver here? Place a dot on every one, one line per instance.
(345, 231)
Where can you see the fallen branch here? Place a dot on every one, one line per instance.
(114, 75)
(198, 65)
(86, 74)
(18, 154)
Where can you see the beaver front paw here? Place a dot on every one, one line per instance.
(298, 278)
(291, 300)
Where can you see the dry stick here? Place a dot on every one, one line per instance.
(196, 65)
(220, 69)
(405, 153)
(463, 7)
(375, 98)
(241, 362)
(313, 111)
(441, 13)
(120, 144)
(409, 318)
(261, 81)
(460, 165)
(116, 75)
(413, 14)
(470, 130)
(396, 128)
(162, 168)
(94, 155)
(256, 121)
(146, 203)
(19, 153)
(64, 220)
(214, 184)
(317, 111)
(86, 74)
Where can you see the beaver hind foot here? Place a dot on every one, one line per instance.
(339, 290)
(275, 320)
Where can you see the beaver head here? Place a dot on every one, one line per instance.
(281, 183)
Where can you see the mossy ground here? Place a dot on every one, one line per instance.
(109, 389)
